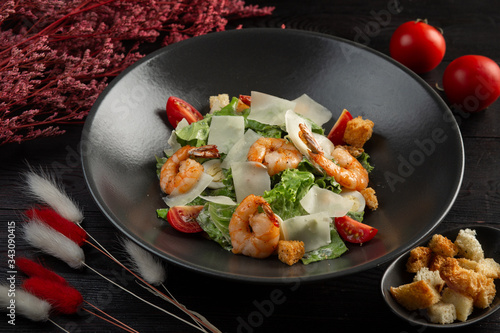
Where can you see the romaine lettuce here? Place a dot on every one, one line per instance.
(214, 220)
(195, 134)
(331, 251)
(285, 197)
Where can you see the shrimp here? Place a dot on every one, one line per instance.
(180, 172)
(252, 233)
(349, 173)
(276, 154)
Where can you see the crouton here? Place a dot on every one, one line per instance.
(419, 257)
(443, 246)
(463, 303)
(370, 198)
(218, 102)
(479, 287)
(358, 131)
(432, 277)
(488, 267)
(415, 295)
(467, 263)
(290, 252)
(442, 313)
(354, 151)
(468, 245)
(436, 261)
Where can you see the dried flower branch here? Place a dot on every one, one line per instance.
(45, 291)
(55, 235)
(57, 56)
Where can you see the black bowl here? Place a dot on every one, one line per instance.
(396, 275)
(416, 148)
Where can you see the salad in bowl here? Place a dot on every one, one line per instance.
(259, 175)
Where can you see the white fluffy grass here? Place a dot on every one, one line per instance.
(26, 304)
(148, 266)
(43, 187)
(52, 242)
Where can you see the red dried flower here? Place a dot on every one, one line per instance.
(56, 56)
(64, 298)
(59, 223)
(33, 269)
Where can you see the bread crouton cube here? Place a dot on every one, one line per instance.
(436, 261)
(463, 303)
(370, 198)
(468, 245)
(488, 267)
(419, 257)
(354, 151)
(415, 295)
(290, 252)
(467, 263)
(479, 287)
(358, 131)
(218, 102)
(442, 313)
(443, 246)
(432, 277)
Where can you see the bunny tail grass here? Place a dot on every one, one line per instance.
(144, 263)
(43, 187)
(27, 304)
(43, 237)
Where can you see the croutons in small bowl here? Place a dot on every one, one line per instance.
(448, 280)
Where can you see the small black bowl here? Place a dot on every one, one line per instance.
(396, 275)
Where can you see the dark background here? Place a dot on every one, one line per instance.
(347, 303)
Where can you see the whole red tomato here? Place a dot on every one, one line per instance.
(418, 46)
(472, 82)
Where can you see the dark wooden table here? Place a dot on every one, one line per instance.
(347, 303)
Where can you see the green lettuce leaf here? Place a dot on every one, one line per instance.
(285, 197)
(228, 110)
(321, 179)
(162, 213)
(363, 159)
(214, 220)
(330, 251)
(195, 134)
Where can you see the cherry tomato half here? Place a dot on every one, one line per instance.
(178, 109)
(336, 134)
(246, 99)
(353, 231)
(472, 82)
(183, 218)
(418, 46)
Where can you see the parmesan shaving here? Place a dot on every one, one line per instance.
(313, 230)
(239, 151)
(319, 200)
(172, 141)
(225, 131)
(268, 109)
(312, 110)
(219, 199)
(250, 178)
(177, 199)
